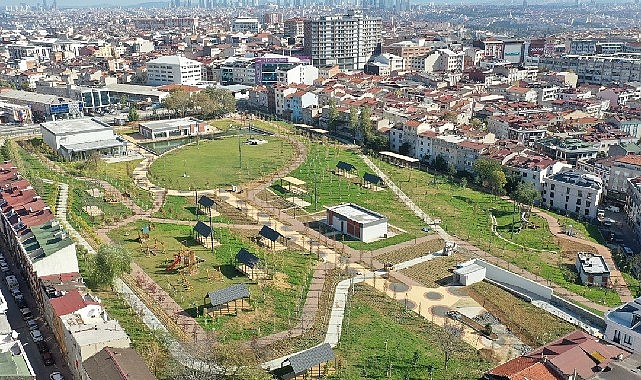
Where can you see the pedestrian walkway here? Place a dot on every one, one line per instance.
(61, 214)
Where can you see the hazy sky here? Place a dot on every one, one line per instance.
(85, 3)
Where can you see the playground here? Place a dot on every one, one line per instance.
(233, 162)
(187, 271)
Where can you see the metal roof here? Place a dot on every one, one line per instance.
(222, 296)
(205, 201)
(203, 229)
(245, 257)
(305, 360)
(269, 233)
(345, 166)
(371, 178)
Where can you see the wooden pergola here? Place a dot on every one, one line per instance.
(399, 159)
(293, 181)
(227, 301)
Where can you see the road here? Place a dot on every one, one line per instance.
(18, 324)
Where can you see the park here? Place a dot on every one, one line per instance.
(287, 184)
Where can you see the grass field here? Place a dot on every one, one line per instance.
(532, 325)
(275, 303)
(212, 164)
(465, 213)
(379, 335)
(412, 252)
(327, 189)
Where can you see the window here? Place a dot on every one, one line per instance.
(551, 195)
(577, 209)
(588, 203)
(567, 198)
(567, 190)
(617, 336)
(580, 193)
(578, 201)
(552, 187)
(587, 211)
(627, 339)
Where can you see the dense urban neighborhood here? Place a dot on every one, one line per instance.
(208, 189)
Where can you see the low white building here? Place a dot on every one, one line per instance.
(469, 273)
(358, 222)
(574, 192)
(623, 326)
(173, 69)
(78, 138)
(592, 269)
(165, 129)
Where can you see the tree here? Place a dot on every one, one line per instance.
(483, 168)
(108, 263)
(366, 123)
(449, 342)
(178, 101)
(497, 181)
(133, 114)
(353, 120)
(333, 115)
(222, 102)
(525, 194)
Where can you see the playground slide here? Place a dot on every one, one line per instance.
(173, 265)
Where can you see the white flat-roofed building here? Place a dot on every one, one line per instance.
(357, 222)
(173, 69)
(592, 269)
(165, 129)
(78, 138)
(245, 25)
(574, 192)
(469, 273)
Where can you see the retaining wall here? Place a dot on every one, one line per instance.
(584, 314)
(506, 277)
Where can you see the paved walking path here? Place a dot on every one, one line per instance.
(462, 244)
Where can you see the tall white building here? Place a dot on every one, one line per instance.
(173, 69)
(623, 326)
(348, 41)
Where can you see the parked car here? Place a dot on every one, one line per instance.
(26, 313)
(16, 293)
(5, 270)
(42, 346)
(56, 376)
(613, 208)
(12, 281)
(36, 335)
(21, 302)
(32, 324)
(627, 250)
(47, 358)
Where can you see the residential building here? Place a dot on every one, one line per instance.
(623, 326)
(348, 41)
(299, 74)
(117, 364)
(15, 113)
(358, 222)
(15, 363)
(592, 269)
(633, 206)
(297, 101)
(294, 27)
(623, 168)
(573, 192)
(172, 128)
(570, 150)
(245, 25)
(577, 355)
(173, 69)
(532, 168)
(79, 138)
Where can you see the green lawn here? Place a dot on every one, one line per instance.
(327, 189)
(213, 164)
(275, 303)
(379, 334)
(464, 212)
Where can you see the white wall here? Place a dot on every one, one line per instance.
(374, 232)
(503, 276)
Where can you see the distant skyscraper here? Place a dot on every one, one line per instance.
(348, 41)
(524, 3)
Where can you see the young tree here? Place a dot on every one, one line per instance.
(449, 341)
(108, 263)
(133, 114)
(353, 120)
(333, 115)
(497, 181)
(366, 123)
